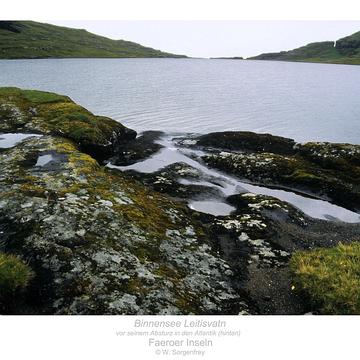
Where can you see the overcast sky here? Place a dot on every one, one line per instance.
(219, 38)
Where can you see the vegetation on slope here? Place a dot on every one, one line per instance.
(331, 277)
(343, 51)
(48, 113)
(14, 276)
(29, 39)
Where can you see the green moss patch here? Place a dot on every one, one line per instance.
(302, 176)
(43, 97)
(331, 278)
(50, 113)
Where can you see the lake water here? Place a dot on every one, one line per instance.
(298, 100)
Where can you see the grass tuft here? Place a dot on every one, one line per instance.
(331, 278)
(15, 275)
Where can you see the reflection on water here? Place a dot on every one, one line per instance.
(230, 185)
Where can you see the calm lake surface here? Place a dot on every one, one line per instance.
(298, 100)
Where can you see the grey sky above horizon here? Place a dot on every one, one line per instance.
(218, 38)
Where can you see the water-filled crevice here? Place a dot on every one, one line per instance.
(172, 153)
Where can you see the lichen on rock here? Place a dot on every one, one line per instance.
(101, 243)
(95, 240)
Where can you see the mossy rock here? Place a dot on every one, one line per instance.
(293, 172)
(331, 155)
(49, 113)
(102, 243)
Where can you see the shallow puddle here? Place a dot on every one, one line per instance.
(10, 140)
(229, 185)
(44, 159)
(212, 207)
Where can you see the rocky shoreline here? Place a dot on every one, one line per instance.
(91, 224)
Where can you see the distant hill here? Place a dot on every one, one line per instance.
(31, 40)
(342, 51)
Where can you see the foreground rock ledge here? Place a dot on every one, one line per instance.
(77, 238)
(101, 244)
(96, 242)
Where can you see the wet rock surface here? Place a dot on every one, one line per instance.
(137, 149)
(327, 171)
(180, 181)
(285, 230)
(257, 241)
(259, 237)
(100, 243)
(101, 240)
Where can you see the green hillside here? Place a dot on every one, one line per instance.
(31, 40)
(343, 51)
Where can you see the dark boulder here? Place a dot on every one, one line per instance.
(247, 141)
